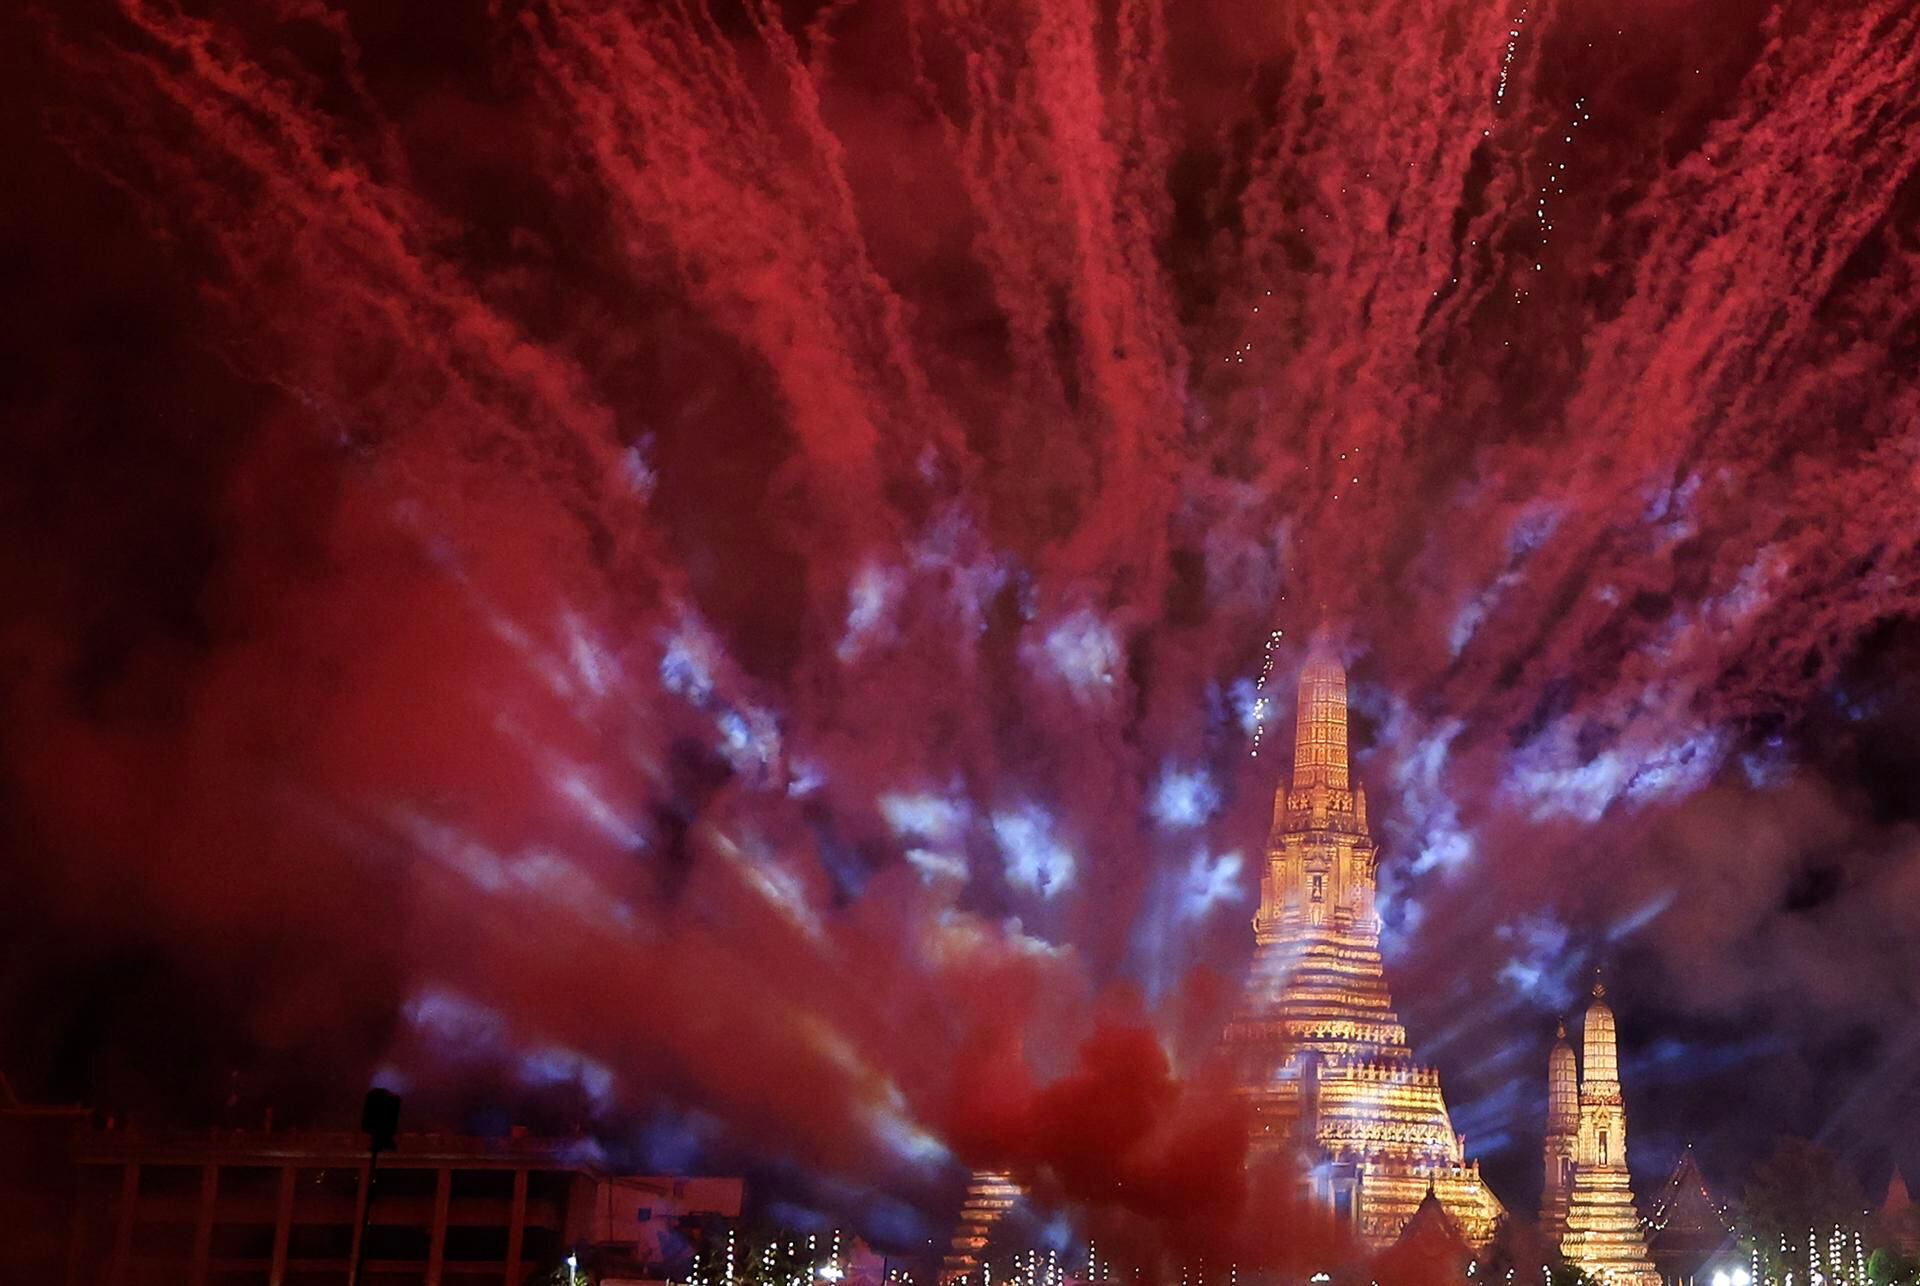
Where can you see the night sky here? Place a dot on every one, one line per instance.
(704, 576)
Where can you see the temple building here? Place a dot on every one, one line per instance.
(990, 1195)
(1602, 1233)
(1563, 1132)
(1690, 1233)
(1899, 1218)
(1430, 1248)
(1321, 1054)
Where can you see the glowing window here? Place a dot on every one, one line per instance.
(1319, 888)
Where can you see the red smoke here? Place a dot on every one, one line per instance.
(690, 540)
(1156, 1164)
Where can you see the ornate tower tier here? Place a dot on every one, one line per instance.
(1322, 1054)
(1563, 1130)
(990, 1195)
(1602, 1232)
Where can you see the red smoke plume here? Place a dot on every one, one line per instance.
(1156, 1164)
(704, 557)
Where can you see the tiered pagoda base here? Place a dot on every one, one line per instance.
(1604, 1238)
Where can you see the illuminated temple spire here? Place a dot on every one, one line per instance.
(991, 1194)
(1563, 1129)
(1321, 857)
(1320, 722)
(1600, 1057)
(1322, 1056)
(1603, 1236)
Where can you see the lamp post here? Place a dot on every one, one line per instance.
(380, 1122)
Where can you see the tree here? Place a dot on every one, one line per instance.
(1799, 1187)
(1524, 1250)
(1890, 1267)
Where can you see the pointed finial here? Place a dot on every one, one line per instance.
(1560, 1028)
(1320, 642)
(1320, 751)
(1599, 985)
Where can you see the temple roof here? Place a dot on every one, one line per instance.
(1898, 1215)
(1685, 1210)
(1432, 1229)
(1898, 1201)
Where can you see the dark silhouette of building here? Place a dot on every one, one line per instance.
(1688, 1229)
(265, 1208)
(89, 1204)
(37, 1182)
(1430, 1247)
(1899, 1217)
